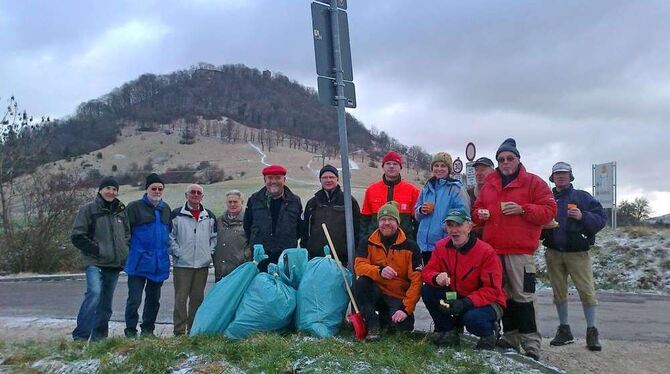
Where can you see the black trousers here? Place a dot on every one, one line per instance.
(377, 308)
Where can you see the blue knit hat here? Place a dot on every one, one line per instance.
(509, 145)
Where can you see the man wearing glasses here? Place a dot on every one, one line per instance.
(513, 205)
(148, 262)
(192, 244)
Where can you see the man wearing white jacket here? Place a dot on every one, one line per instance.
(192, 243)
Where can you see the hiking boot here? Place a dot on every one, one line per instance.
(592, 342)
(506, 346)
(449, 339)
(373, 334)
(563, 336)
(535, 356)
(147, 335)
(130, 333)
(435, 337)
(487, 343)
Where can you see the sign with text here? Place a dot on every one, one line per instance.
(604, 177)
(470, 174)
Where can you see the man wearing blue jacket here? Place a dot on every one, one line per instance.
(148, 263)
(440, 194)
(579, 218)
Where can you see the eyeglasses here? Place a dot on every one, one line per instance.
(508, 159)
(156, 188)
(195, 192)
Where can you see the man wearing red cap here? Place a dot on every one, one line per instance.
(390, 187)
(273, 215)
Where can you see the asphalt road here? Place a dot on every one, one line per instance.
(630, 317)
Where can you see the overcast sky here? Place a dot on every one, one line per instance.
(578, 81)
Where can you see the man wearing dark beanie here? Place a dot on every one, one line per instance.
(327, 206)
(101, 233)
(148, 262)
(513, 205)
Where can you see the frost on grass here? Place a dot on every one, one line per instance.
(51, 365)
(199, 364)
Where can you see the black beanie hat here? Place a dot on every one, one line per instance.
(107, 182)
(151, 179)
(509, 145)
(329, 168)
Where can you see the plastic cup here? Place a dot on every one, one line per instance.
(572, 206)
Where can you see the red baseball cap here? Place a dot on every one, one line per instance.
(274, 170)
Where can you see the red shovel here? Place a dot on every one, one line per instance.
(356, 318)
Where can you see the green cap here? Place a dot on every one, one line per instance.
(459, 215)
(389, 209)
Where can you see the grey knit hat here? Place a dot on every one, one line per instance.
(509, 145)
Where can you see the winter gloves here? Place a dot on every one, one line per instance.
(457, 307)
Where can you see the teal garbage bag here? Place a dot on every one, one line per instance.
(219, 306)
(322, 299)
(292, 263)
(267, 305)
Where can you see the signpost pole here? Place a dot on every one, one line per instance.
(342, 126)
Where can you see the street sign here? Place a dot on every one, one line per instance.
(470, 151)
(342, 4)
(328, 92)
(470, 174)
(458, 165)
(323, 42)
(604, 184)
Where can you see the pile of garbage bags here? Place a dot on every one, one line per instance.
(295, 293)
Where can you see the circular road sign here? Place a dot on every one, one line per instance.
(458, 165)
(470, 151)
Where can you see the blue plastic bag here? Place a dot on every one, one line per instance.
(292, 263)
(267, 305)
(219, 306)
(322, 298)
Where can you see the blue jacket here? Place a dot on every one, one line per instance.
(149, 240)
(572, 235)
(446, 194)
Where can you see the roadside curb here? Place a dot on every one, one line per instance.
(45, 278)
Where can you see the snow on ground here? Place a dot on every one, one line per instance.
(629, 259)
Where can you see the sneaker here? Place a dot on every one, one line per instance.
(563, 336)
(374, 334)
(487, 343)
(592, 342)
(449, 339)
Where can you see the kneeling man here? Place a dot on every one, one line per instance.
(463, 264)
(388, 266)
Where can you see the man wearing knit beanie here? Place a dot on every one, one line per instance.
(512, 206)
(100, 231)
(388, 266)
(390, 187)
(148, 262)
(327, 206)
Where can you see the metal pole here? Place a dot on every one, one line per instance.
(614, 222)
(342, 126)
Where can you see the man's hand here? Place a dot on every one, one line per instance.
(483, 214)
(389, 273)
(575, 213)
(442, 279)
(398, 316)
(511, 208)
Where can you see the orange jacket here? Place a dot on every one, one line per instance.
(403, 256)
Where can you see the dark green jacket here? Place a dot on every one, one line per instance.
(101, 232)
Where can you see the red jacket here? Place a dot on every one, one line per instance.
(475, 271)
(516, 234)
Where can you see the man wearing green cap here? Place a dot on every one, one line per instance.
(470, 268)
(388, 266)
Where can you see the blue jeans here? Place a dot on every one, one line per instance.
(478, 321)
(137, 285)
(96, 310)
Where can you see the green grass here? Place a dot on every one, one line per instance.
(270, 353)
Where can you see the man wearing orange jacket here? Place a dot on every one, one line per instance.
(463, 264)
(390, 188)
(513, 205)
(388, 266)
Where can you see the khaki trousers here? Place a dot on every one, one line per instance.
(578, 266)
(189, 288)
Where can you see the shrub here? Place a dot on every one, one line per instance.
(99, 155)
(372, 164)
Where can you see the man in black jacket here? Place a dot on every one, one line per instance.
(579, 218)
(272, 217)
(327, 206)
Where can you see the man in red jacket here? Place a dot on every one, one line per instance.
(513, 205)
(470, 267)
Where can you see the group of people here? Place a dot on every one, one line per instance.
(468, 253)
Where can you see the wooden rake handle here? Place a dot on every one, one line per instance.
(339, 265)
